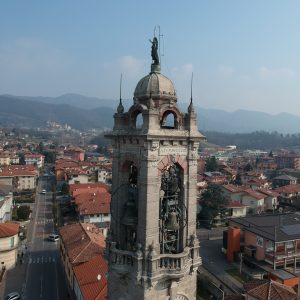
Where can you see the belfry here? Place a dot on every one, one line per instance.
(152, 248)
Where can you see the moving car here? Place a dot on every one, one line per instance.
(44, 191)
(12, 296)
(53, 237)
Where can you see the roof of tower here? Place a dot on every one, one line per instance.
(155, 85)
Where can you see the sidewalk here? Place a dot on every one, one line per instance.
(14, 278)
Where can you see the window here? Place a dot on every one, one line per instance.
(12, 242)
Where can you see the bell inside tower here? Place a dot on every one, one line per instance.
(172, 210)
(130, 218)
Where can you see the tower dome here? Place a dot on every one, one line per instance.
(156, 86)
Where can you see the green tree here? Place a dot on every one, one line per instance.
(213, 201)
(65, 188)
(50, 157)
(248, 167)
(22, 159)
(211, 164)
(41, 147)
(23, 212)
(238, 179)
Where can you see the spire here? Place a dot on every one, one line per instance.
(120, 108)
(191, 106)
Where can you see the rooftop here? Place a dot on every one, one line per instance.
(279, 228)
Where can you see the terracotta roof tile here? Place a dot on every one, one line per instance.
(269, 289)
(82, 241)
(92, 287)
(8, 229)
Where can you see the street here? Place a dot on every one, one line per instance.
(43, 275)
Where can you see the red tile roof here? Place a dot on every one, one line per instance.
(255, 194)
(269, 192)
(86, 187)
(93, 203)
(91, 277)
(8, 229)
(233, 188)
(269, 289)
(82, 241)
(235, 204)
(291, 188)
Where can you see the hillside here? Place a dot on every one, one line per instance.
(83, 112)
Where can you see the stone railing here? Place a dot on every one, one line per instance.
(123, 261)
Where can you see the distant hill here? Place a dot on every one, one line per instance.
(17, 112)
(83, 112)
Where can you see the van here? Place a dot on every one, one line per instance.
(53, 237)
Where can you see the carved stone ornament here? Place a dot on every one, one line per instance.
(154, 145)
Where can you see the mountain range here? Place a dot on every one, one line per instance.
(83, 112)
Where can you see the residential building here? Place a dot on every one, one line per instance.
(76, 154)
(269, 239)
(235, 209)
(9, 242)
(80, 242)
(93, 207)
(283, 180)
(288, 193)
(6, 202)
(34, 159)
(291, 161)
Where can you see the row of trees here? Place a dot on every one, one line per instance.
(254, 140)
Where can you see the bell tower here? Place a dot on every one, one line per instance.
(152, 249)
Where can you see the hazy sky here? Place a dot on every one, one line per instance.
(244, 54)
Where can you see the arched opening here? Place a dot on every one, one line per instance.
(169, 120)
(139, 121)
(130, 209)
(172, 210)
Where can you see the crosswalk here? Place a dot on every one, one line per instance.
(41, 260)
(43, 222)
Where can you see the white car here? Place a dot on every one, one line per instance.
(53, 237)
(44, 192)
(12, 296)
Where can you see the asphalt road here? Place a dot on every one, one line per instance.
(44, 278)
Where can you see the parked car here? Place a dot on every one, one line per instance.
(44, 191)
(12, 296)
(53, 237)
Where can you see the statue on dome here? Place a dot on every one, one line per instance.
(154, 51)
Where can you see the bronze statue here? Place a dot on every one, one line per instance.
(154, 51)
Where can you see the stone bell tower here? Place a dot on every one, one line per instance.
(152, 249)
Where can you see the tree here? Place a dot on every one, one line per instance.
(23, 212)
(50, 157)
(248, 167)
(211, 164)
(238, 179)
(41, 147)
(65, 188)
(22, 159)
(213, 200)
(271, 154)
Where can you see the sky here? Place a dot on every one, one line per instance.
(243, 54)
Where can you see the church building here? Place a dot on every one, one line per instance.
(152, 248)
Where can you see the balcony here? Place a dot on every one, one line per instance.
(173, 266)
